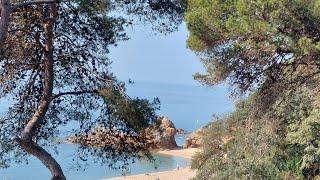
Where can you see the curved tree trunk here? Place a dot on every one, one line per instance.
(37, 151)
(27, 136)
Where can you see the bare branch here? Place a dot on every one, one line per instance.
(75, 93)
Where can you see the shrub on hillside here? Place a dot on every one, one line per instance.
(281, 144)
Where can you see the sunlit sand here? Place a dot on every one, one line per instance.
(181, 174)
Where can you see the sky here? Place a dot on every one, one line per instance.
(151, 57)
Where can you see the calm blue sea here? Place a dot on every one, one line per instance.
(188, 106)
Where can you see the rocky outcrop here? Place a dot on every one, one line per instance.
(161, 136)
(194, 140)
(165, 136)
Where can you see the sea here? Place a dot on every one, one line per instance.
(189, 107)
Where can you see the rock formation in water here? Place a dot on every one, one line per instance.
(159, 137)
(165, 136)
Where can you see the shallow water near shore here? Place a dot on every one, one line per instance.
(35, 170)
(189, 107)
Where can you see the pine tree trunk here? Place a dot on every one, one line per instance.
(27, 136)
(4, 20)
(37, 151)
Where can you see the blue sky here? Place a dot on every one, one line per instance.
(154, 57)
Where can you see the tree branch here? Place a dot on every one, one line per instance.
(75, 93)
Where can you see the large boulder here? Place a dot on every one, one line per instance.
(165, 136)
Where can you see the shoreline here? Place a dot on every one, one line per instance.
(181, 174)
(184, 153)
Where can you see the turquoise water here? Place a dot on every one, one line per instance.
(34, 170)
(189, 107)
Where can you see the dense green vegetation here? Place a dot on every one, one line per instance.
(254, 44)
(269, 51)
(280, 144)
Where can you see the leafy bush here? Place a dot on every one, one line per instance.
(281, 144)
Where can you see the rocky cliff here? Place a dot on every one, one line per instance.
(165, 135)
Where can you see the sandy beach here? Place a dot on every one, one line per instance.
(185, 153)
(181, 174)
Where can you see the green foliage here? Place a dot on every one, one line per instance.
(306, 134)
(269, 49)
(281, 144)
(256, 44)
(136, 113)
